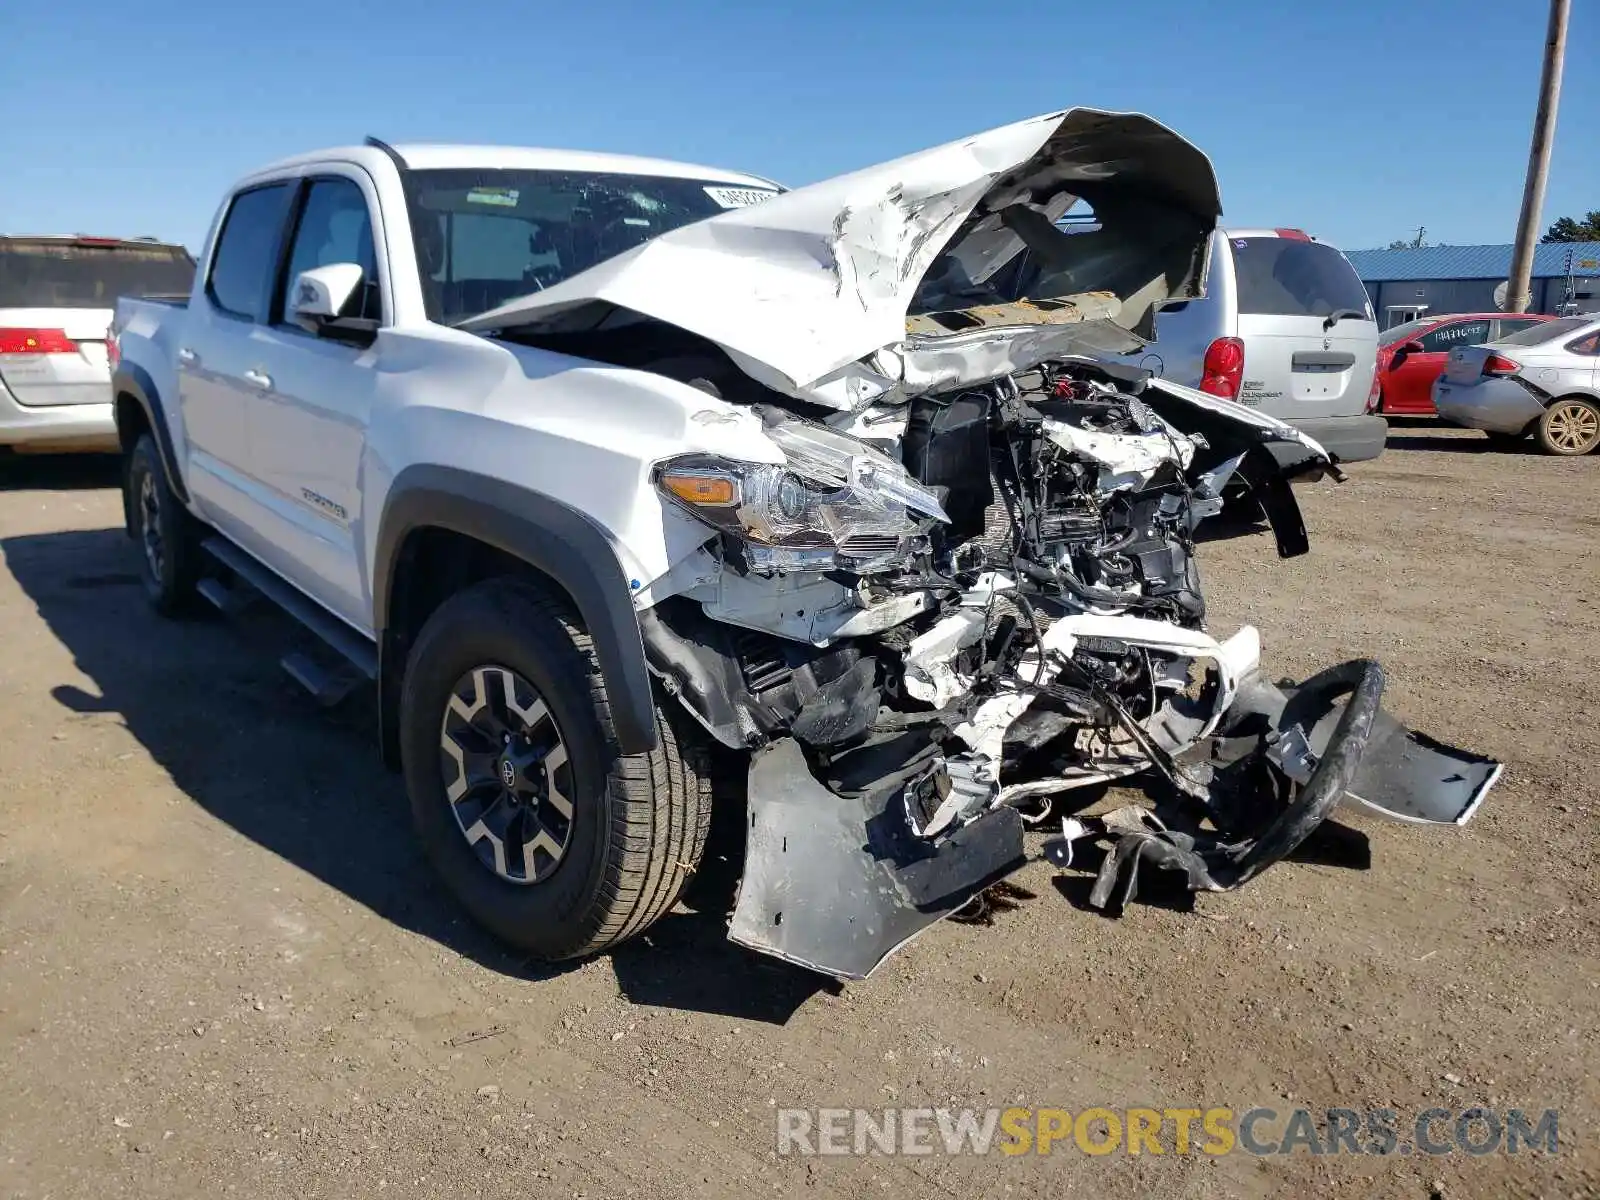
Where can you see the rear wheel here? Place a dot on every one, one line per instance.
(548, 837)
(165, 533)
(1570, 426)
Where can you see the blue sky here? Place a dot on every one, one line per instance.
(1357, 120)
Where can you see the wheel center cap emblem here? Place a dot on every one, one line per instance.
(508, 773)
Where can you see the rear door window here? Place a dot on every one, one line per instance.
(1461, 333)
(241, 266)
(1287, 277)
(70, 273)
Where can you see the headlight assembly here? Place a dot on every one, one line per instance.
(837, 501)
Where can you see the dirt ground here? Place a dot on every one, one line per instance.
(225, 969)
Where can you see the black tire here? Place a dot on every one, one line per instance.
(1569, 427)
(166, 536)
(638, 823)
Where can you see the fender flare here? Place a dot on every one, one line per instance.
(550, 536)
(130, 379)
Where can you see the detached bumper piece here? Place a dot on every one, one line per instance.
(1323, 754)
(836, 880)
(838, 883)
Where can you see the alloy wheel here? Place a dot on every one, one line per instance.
(1573, 427)
(507, 775)
(150, 525)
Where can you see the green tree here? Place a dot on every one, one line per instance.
(1565, 229)
(1415, 243)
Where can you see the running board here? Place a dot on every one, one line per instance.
(350, 645)
(228, 601)
(327, 685)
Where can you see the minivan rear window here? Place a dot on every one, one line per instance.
(1287, 277)
(66, 273)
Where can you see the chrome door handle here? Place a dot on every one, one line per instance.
(187, 355)
(260, 379)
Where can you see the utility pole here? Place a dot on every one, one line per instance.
(1544, 128)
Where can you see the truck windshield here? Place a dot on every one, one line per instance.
(485, 237)
(73, 273)
(1288, 277)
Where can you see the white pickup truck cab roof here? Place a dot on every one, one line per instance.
(431, 156)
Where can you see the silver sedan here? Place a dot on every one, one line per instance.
(1543, 381)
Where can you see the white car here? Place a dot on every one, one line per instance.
(623, 477)
(1543, 380)
(56, 295)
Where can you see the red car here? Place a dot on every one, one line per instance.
(1412, 356)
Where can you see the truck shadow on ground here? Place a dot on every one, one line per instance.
(206, 699)
(58, 472)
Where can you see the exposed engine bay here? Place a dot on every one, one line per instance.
(932, 623)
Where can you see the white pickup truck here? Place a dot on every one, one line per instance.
(624, 477)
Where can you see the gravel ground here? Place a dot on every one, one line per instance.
(224, 968)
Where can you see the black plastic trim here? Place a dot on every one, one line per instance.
(1322, 358)
(130, 379)
(549, 536)
(394, 155)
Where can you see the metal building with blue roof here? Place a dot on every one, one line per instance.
(1434, 280)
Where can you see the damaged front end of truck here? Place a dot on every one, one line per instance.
(959, 584)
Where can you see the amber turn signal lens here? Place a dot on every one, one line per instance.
(716, 490)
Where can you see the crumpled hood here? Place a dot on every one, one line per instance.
(810, 291)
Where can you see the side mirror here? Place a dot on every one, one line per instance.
(320, 293)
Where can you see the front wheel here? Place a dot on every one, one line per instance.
(546, 835)
(1570, 426)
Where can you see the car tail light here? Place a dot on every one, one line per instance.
(1499, 364)
(1376, 394)
(36, 341)
(1294, 235)
(1223, 368)
(113, 348)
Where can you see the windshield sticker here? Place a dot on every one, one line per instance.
(738, 197)
(499, 197)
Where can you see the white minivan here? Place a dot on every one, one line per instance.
(56, 296)
(1285, 326)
